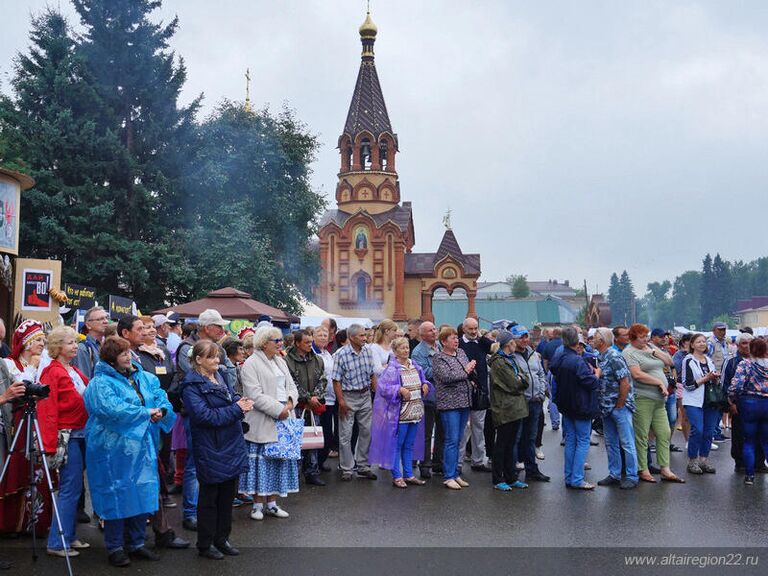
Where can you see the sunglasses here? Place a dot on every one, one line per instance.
(276, 340)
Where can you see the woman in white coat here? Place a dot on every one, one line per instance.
(267, 381)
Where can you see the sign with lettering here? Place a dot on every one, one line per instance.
(34, 290)
(80, 297)
(120, 307)
(10, 196)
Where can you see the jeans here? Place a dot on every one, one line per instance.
(504, 465)
(310, 458)
(128, 530)
(70, 487)
(406, 434)
(620, 437)
(360, 410)
(703, 422)
(190, 488)
(671, 406)
(754, 422)
(454, 422)
(577, 433)
(526, 445)
(214, 513)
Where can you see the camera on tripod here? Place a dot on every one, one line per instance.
(33, 391)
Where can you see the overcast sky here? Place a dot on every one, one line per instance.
(571, 139)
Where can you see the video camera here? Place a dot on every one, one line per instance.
(33, 391)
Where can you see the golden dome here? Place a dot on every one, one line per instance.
(368, 28)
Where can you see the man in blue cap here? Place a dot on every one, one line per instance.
(719, 350)
(529, 364)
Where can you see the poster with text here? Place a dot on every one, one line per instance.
(9, 217)
(35, 297)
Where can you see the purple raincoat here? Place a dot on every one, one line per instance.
(386, 417)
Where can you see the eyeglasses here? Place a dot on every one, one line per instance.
(276, 340)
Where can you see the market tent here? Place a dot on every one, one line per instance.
(230, 303)
(311, 309)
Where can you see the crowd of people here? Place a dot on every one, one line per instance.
(146, 408)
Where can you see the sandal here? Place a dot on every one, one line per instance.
(415, 481)
(650, 479)
(399, 483)
(673, 478)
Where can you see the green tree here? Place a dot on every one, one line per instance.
(614, 300)
(724, 293)
(685, 301)
(520, 288)
(708, 297)
(138, 80)
(50, 134)
(627, 298)
(759, 281)
(256, 166)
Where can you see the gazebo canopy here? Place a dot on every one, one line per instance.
(230, 303)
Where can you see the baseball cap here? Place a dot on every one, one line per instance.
(657, 332)
(518, 331)
(173, 317)
(209, 317)
(504, 337)
(720, 326)
(159, 320)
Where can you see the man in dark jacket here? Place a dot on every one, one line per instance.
(577, 399)
(308, 372)
(478, 348)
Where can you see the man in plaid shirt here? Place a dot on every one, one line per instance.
(353, 379)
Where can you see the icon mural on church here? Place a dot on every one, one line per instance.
(361, 238)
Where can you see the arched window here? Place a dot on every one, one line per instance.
(365, 154)
(383, 155)
(361, 289)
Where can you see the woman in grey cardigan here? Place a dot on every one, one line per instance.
(267, 381)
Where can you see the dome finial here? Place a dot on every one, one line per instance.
(368, 28)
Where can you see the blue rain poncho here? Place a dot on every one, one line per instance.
(122, 443)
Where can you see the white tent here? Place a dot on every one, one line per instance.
(341, 321)
(311, 309)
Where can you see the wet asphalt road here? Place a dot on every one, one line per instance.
(369, 527)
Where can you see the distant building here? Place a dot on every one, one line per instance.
(366, 242)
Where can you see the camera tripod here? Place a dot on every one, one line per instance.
(33, 445)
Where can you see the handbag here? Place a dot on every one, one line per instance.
(59, 458)
(312, 438)
(713, 395)
(288, 443)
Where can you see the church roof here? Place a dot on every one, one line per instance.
(367, 111)
(424, 263)
(400, 215)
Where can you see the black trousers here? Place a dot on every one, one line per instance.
(503, 463)
(214, 513)
(330, 423)
(433, 453)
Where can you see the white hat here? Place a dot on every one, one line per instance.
(211, 316)
(160, 319)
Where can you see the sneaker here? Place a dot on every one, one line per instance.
(79, 545)
(367, 474)
(749, 480)
(539, 455)
(276, 512)
(144, 553)
(720, 438)
(694, 468)
(257, 513)
(519, 485)
(502, 486)
(236, 502)
(714, 447)
(520, 466)
(346, 476)
(119, 558)
(608, 481)
(627, 484)
(61, 553)
(707, 467)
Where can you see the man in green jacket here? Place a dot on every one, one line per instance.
(308, 372)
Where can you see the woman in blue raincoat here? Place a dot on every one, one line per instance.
(127, 409)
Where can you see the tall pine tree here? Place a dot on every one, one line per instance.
(627, 298)
(138, 81)
(614, 298)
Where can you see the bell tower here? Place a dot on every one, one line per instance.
(367, 176)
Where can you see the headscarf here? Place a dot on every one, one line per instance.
(27, 332)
